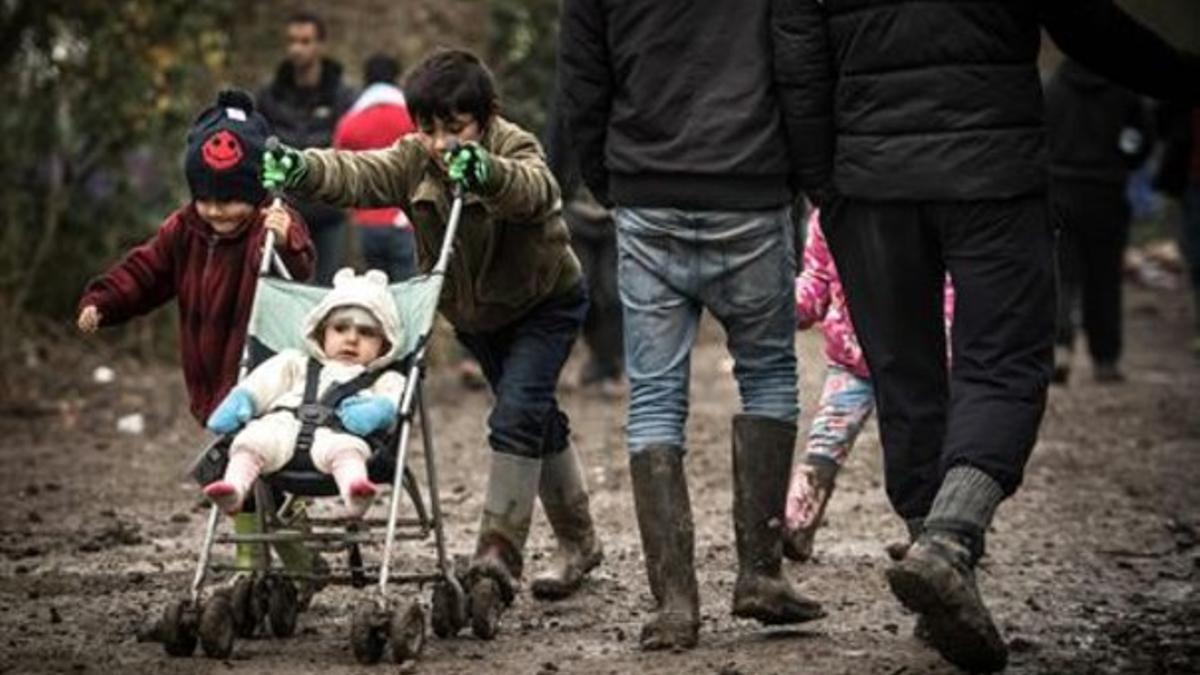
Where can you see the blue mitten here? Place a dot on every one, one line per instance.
(363, 414)
(234, 411)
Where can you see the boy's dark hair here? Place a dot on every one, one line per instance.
(449, 82)
(309, 18)
(380, 68)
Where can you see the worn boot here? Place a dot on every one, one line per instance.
(565, 500)
(498, 561)
(664, 514)
(762, 458)
(812, 486)
(936, 578)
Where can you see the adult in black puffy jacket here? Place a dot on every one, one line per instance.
(1098, 133)
(918, 126)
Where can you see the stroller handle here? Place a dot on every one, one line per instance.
(443, 260)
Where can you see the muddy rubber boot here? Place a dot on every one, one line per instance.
(898, 549)
(300, 559)
(565, 500)
(762, 459)
(936, 578)
(498, 560)
(249, 555)
(820, 475)
(664, 514)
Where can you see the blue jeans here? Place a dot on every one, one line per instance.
(522, 362)
(390, 249)
(741, 266)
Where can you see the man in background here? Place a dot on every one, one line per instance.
(303, 103)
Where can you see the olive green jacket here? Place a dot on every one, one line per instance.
(512, 250)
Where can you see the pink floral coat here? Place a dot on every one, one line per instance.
(819, 297)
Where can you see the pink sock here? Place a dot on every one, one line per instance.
(349, 471)
(240, 474)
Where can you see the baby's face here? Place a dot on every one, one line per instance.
(349, 342)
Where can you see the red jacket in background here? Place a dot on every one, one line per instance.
(377, 120)
(212, 276)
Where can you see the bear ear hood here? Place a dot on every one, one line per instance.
(369, 291)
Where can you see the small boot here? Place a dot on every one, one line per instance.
(762, 457)
(664, 514)
(241, 472)
(249, 556)
(349, 471)
(812, 486)
(498, 560)
(298, 558)
(936, 578)
(565, 500)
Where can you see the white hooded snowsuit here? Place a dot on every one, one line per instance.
(279, 381)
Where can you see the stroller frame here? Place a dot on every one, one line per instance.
(268, 591)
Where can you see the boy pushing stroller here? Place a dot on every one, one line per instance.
(514, 292)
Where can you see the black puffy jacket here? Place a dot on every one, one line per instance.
(940, 99)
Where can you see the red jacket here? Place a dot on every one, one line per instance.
(212, 276)
(378, 119)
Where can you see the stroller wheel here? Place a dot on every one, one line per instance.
(368, 632)
(246, 600)
(448, 609)
(408, 633)
(282, 607)
(177, 628)
(216, 627)
(487, 604)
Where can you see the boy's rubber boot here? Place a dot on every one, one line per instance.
(498, 562)
(822, 477)
(564, 496)
(300, 559)
(762, 460)
(664, 514)
(936, 578)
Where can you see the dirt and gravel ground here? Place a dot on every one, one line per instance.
(1093, 568)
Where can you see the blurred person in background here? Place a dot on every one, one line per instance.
(1179, 177)
(303, 103)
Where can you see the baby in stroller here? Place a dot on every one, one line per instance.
(325, 402)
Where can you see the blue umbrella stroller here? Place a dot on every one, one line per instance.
(214, 617)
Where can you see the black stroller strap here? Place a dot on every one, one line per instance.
(314, 413)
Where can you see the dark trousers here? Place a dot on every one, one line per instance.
(522, 362)
(1091, 250)
(985, 410)
(391, 249)
(327, 239)
(602, 330)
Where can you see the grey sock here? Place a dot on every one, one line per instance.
(965, 505)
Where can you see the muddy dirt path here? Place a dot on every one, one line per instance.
(1093, 568)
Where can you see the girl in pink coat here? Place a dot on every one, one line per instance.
(847, 397)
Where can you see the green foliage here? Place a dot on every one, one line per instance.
(521, 48)
(99, 94)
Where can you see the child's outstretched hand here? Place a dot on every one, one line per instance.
(279, 221)
(89, 319)
(282, 167)
(469, 165)
(363, 414)
(234, 411)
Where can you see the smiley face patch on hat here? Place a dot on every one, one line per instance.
(222, 150)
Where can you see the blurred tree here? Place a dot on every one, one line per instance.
(98, 96)
(521, 45)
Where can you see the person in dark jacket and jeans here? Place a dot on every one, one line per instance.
(927, 155)
(303, 103)
(1098, 133)
(684, 136)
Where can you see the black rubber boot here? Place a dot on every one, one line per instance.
(664, 514)
(565, 500)
(762, 462)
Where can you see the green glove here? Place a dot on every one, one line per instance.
(282, 168)
(469, 165)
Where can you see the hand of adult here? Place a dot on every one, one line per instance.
(283, 167)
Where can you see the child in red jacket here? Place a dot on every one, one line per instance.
(206, 254)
